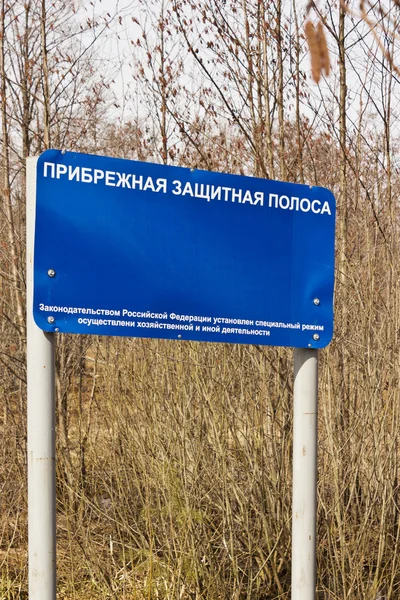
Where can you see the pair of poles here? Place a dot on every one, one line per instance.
(41, 449)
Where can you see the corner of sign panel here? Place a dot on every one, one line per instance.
(41, 323)
(330, 194)
(50, 153)
(327, 340)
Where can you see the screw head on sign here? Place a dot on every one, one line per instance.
(50, 319)
(317, 301)
(315, 337)
(51, 273)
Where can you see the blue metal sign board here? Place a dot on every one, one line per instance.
(147, 250)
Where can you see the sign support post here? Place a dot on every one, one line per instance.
(305, 433)
(41, 432)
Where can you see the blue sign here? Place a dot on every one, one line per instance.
(147, 250)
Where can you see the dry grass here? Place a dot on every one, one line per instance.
(174, 458)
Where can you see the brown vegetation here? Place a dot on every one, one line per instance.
(174, 459)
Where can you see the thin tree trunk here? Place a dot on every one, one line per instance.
(297, 83)
(343, 153)
(281, 113)
(46, 88)
(268, 121)
(343, 225)
(15, 278)
(163, 86)
(250, 92)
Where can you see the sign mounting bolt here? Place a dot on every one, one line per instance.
(317, 301)
(51, 273)
(316, 337)
(50, 319)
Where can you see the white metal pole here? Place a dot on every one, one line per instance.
(41, 431)
(305, 433)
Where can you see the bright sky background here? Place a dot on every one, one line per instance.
(116, 52)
